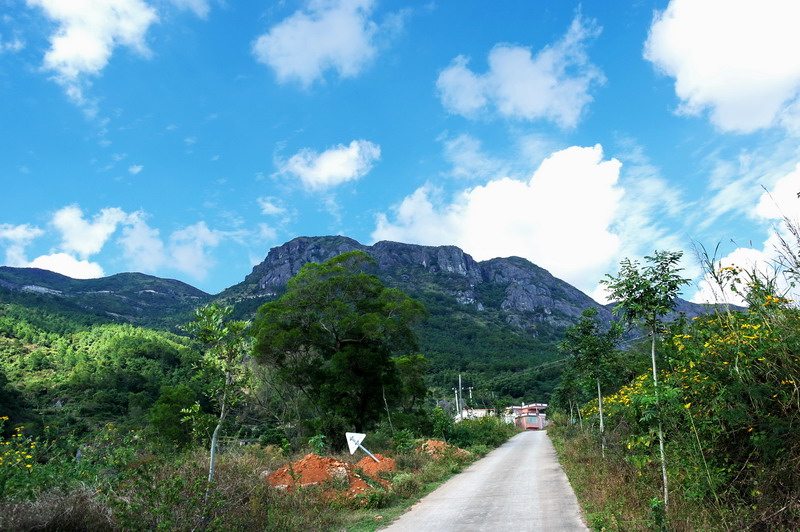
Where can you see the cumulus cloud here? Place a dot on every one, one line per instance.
(554, 85)
(561, 219)
(88, 32)
(86, 237)
(333, 35)
(334, 166)
(135, 169)
(141, 244)
(737, 59)
(774, 207)
(18, 238)
(190, 247)
(187, 250)
(66, 264)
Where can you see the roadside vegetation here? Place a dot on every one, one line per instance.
(125, 480)
(115, 427)
(722, 397)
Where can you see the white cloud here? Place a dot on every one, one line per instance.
(267, 232)
(135, 169)
(554, 85)
(468, 159)
(84, 237)
(13, 46)
(271, 206)
(736, 58)
(782, 201)
(330, 35)
(333, 166)
(88, 32)
(19, 237)
(774, 207)
(198, 7)
(561, 219)
(189, 249)
(66, 264)
(141, 244)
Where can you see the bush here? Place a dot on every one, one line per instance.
(77, 508)
(490, 431)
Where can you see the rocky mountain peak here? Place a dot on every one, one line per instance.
(523, 291)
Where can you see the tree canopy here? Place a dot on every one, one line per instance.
(334, 334)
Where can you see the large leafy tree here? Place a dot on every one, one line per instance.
(594, 353)
(644, 295)
(334, 334)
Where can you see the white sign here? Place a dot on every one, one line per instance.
(354, 439)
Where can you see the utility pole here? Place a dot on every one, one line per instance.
(458, 412)
(461, 396)
(470, 392)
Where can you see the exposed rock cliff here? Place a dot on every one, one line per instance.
(523, 291)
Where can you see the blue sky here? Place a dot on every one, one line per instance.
(185, 138)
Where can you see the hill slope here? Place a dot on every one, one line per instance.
(129, 297)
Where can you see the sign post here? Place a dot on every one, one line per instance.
(354, 440)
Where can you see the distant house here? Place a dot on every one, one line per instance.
(527, 417)
(475, 413)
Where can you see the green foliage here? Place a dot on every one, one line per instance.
(333, 335)
(593, 350)
(645, 293)
(167, 413)
(317, 444)
(403, 441)
(489, 431)
(226, 343)
(442, 423)
(727, 400)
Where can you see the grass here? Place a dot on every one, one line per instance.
(156, 492)
(615, 495)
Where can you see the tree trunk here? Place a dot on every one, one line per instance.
(602, 428)
(212, 460)
(658, 413)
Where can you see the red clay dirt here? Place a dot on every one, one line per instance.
(372, 468)
(312, 470)
(437, 448)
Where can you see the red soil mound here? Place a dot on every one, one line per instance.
(336, 477)
(373, 468)
(437, 448)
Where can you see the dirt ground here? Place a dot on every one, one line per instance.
(338, 478)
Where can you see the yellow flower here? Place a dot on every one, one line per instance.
(687, 405)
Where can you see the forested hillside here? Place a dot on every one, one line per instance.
(65, 373)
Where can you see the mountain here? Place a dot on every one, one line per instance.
(496, 322)
(129, 297)
(527, 295)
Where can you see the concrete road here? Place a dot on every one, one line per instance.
(517, 487)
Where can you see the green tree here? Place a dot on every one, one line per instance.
(593, 352)
(166, 415)
(226, 345)
(644, 294)
(333, 335)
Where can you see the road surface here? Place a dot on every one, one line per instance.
(517, 487)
